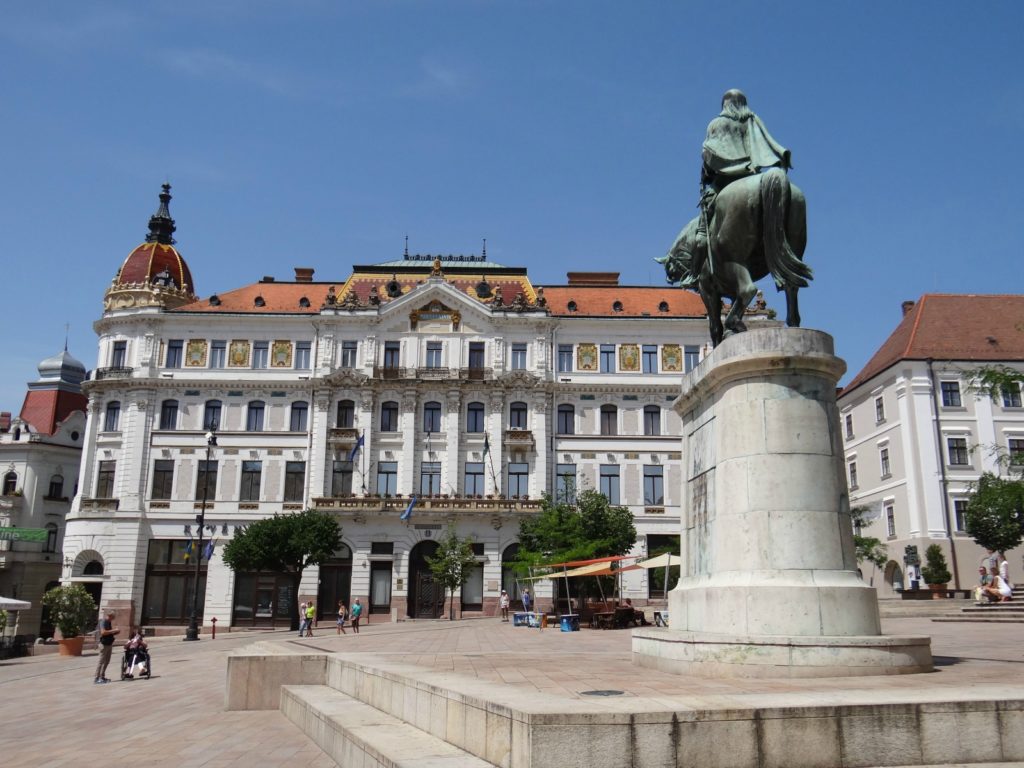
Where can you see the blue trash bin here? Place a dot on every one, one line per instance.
(571, 622)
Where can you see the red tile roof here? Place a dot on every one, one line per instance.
(982, 328)
(637, 301)
(277, 297)
(150, 259)
(45, 408)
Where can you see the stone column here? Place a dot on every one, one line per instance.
(321, 458)
(496, 435)
(452, 423)
(770, 586)
(411, 452)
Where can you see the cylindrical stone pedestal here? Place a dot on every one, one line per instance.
(770, 584)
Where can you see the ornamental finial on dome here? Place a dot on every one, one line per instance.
(161, 225)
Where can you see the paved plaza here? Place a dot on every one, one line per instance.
(53, 715)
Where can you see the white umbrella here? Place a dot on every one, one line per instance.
(9, 604)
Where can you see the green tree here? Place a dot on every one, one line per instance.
(868, 548)
(995, 512)
(285, 544)
(583, 528)
(452, 563)
(935, 570)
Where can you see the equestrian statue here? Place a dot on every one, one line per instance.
(752, 222)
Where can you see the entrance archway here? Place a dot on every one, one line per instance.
(335, 583)
(426, 596)
(509, 582)
(894, 579)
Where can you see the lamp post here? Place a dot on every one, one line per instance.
(192, 633)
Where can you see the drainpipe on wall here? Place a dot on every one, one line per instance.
(945, 479)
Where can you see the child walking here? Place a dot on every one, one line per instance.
(342, 615)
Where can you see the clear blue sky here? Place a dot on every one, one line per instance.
(319, 133)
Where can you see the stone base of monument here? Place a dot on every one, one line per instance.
(770, 584)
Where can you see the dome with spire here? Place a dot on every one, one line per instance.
(154, 274)
(62, 367)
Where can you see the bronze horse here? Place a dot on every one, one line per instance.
(759, 227)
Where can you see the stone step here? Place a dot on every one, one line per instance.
(983, 619)
(355, 734)
(995, 608)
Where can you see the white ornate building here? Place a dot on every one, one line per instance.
(466, 385)
(916, 436)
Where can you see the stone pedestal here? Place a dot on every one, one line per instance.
(770, 584)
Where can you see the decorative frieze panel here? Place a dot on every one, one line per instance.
(586, 357)
(671, 358)
(629, 357)
(195, 353)
(238, 354)
(281, 354)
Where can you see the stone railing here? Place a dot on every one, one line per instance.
(519, 438)
(342, 435)
(437, 503)
(119, 372)
(100, 505)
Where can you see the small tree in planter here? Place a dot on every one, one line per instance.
(935, 573)
(70, 608)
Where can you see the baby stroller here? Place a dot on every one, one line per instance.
(136, 662)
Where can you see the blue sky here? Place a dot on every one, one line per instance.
(320, 133)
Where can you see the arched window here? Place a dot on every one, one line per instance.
(211, 414)
(475, 417)
(566, 419)
(51, 538)
(300, 416)
(56, 490)
(517, 416)
(10, 483)
(571, 306)
(254, 416)
(663, 306)
(616, 306)
(609, 420)
(169, 414)
(346, 414)
(389, 416)
(93, 568)
(112, 417)
(432, 417)
(652, 420)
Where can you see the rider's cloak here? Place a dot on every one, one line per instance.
(736, 148)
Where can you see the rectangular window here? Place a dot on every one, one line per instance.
(960, 514)
(433, 354)
(517, 416)
(652, 420)
(475, 417)
(430, 478)
(163, 479)
(1011, 396)
(565, 483)
(105, 480)
(565, 358)
(649, 355)
(473, 485)
(206, 480)
(476, 354)
(252, 474)
(1016, 451)
(387, 478)
(518, 357)
(299, 417)
(218, 353)
(609, 420)
(382, 547)
(120, 357)
(254, 417)
(174, 352)
(472, 598)
(294, 480)
(883, 460)
(349, 349)
(112, 418)
(691, 358)
(848, 421)
(890, 520)
(380, 587)
(654, 486)
(879, 410)
(957, 451)
(853, 475)
(610, 482)
(169, 414)
(566, 420)
(389, 417)
(607, 358)
(431, 417)
(260, 354)
(518, 478)
(302, 350)
(392, 354)
(341, 479)
(951, 394)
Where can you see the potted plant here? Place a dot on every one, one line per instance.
(935, 573)
(70, 607)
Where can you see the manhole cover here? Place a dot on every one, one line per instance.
(602, 693)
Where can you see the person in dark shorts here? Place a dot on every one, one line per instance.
(107, 634)
(357, 614)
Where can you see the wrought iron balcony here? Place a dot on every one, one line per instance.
(388, 372)
(476, 374)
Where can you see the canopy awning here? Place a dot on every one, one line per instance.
(661, 561)
(10, 604)
(577, 563)
(600, 568)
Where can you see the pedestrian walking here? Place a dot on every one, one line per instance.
(357, 613)
(302, 618)
(342, 615)
(310, 618)
(107, 634)
(503, 602)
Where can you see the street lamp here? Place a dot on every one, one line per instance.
(192, 633)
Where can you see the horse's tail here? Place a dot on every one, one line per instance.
(785, 266)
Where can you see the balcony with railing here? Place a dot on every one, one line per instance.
(519, 438)
(438, 503)
(342, 436)
(99, 505)
(112, 372)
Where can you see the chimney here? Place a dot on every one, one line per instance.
(907, 306)
(594, 279)
(5, 421)
(303, 274)
(267, 279)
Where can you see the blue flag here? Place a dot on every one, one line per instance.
(208, 549)
(188, 550)
(408, 510)
(355, 449)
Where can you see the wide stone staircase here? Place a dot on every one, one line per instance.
(991, 613)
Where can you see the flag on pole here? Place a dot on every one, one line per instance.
(208, 550)
(408, 510)
(188, 550)
(359, 444)
(487, 444)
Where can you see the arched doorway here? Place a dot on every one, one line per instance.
(335, 583)
(93, 568)
(894, 577)
(426, 596)
(46, 626)
(509, 582)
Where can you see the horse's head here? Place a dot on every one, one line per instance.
(679, 259)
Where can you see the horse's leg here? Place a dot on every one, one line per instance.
(713, 306)
(792, 307)
(745, 292)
